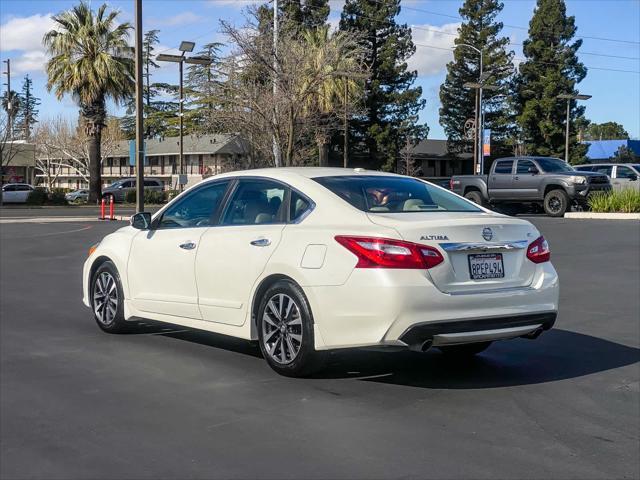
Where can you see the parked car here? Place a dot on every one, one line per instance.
(306, 260)
(545, 181)
(119, 189)
(622, 175)
(16, 192)
(78, 196)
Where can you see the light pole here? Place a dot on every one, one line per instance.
(479, 123)
(139, 112)
(568, 97)
(181, 60)
(276, 147)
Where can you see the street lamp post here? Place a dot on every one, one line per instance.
(568, 97)
(139, 112)
(480, 117)
(479, 123)
(181, 60)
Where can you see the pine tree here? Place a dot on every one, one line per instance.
(389, 97)
(479, 29)
(551, 68)
(202, 87)
(150, 39)
(28, 112)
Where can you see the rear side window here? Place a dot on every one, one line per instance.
(605, 169)
(504, 167)
(524, 166)
(387, 194)
(256, 202)
(299, 206)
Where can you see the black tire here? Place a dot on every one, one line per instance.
(466, 350)
(276, 342)
(475, 196)
(110, 320)
(556, 203)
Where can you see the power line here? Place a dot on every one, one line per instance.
(444, 32)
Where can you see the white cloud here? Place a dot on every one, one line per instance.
(29, 61)
(231, 3)
(25, 33)
(433, 48)
(184, 18)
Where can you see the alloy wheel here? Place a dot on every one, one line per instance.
(282, 328)
(105, 298)
(555, 204)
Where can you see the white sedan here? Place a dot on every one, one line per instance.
(305, 260)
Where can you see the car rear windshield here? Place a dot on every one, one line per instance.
(387, 194)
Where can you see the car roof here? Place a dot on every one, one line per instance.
(599, 164)
(283, 173)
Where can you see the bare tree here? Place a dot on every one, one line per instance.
(307, 87)
(9, 148)
(62, 148)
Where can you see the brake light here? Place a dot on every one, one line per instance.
(373, 252)
(538, 251)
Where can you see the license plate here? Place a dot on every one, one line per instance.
(483, 266)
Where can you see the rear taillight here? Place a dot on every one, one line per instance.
(373, 252)
(538, 251)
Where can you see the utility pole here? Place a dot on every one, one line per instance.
(568, 97)
(346, 124)
(276, 147)
(9, 98)
(139, 111)
(181, 115)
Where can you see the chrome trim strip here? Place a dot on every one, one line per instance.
(463, 246)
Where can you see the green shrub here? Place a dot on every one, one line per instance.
(150, 197)
(56, 197)
(130, 196)
(616, 201)
(37, 197)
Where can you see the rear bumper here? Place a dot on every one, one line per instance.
(380, 307)
(476, 330)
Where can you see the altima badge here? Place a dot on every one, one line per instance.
(434, 237)
(487, 233)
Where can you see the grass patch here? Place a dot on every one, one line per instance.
(617, 201)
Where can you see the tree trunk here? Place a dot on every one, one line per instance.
(323, 149)
(290, 140)
(95, 173)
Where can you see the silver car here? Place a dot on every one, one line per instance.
(16, 192)
(622, 175)
(119, 189)
(78, 196)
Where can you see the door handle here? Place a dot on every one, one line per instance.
(188, 245)
(261, 242)
(516, 177)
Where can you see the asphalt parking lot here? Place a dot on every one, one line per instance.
(175, 403)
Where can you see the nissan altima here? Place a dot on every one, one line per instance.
(306, 260)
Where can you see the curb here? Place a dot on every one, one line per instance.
(603, 216)
(118, 218)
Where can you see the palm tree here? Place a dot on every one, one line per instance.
(333, 74)
(90, 60)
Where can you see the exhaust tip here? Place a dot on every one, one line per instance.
(425, 346)
(535, 334)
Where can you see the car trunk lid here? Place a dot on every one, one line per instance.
(488, 247)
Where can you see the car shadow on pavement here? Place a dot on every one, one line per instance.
(556, 355)
(201, 337)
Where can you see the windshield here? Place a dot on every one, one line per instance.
(552, 165)
(380, 194)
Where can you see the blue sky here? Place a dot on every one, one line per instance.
(614, 82)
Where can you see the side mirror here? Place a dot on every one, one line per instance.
(141, 221)
(533, 170)
(119, 186)
(633, 177)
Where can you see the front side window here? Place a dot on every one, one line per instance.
(381, 194)
(256, 202)
(524, 166)
(554, 165)
(625, 172)
(197, 209)
(504, 167)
